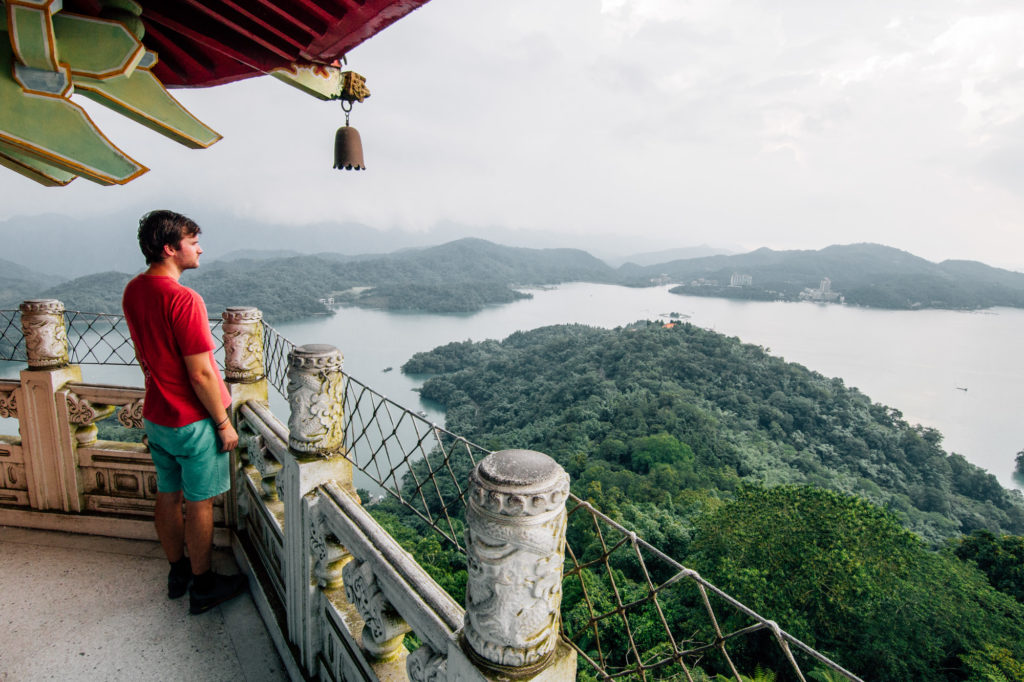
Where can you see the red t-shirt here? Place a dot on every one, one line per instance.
(168, 321)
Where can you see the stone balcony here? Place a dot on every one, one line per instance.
(88, 607)
(336, 593)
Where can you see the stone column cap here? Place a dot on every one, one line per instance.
(519, 469)
(241, 313)
(519, 483)
(316, 356)
(41, 305)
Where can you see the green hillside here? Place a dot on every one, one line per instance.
(461, 276)
(798, 495)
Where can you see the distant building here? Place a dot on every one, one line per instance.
(822, 294)
(738, 280)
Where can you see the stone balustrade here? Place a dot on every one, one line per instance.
(56, 473)
(338, 593)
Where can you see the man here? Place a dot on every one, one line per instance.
(185, 411)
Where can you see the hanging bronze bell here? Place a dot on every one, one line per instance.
(348, 149)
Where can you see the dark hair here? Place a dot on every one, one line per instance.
(161, 228)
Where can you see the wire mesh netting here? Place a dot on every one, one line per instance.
(98, 339)
(275, 358)
(93, 338)
(12, 343)
(420, 464)
(629, 610)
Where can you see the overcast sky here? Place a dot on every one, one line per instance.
(747, 123)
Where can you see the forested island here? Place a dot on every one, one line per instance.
(900, 560)
(467, 275)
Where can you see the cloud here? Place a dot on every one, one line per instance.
(786, 123)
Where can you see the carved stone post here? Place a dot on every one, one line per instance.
(243, 354)
(245, 376)
(46, 339)
(515, 545)
(51, 466)
(316, 394)
(315, 439)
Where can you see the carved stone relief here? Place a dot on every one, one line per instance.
(515, 544)
(119, 483)
(9, 404)
(384, 629)
(243, 344)
(257, 456)
(328, 555)
(316, 394)
(82, 411)
(130, 415)
(12, 476)
(426, 665)
(46, 339)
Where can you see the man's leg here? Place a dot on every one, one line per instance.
(208, 588)
(170, 527)
(199, 534)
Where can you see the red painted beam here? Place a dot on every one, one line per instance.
(309, 26)
(265, 25)
(237, 29)
(356, 27)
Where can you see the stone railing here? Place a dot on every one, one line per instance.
(337, 592)
(57, 474)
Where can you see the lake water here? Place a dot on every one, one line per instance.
(915, 361)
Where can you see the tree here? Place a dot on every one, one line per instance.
(842, 575)
(1001, 558)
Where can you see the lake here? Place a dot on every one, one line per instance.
(915, 361)
(959, 372)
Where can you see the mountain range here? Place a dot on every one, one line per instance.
(467, 274)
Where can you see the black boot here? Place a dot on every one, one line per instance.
(210, 589)
(179, 577)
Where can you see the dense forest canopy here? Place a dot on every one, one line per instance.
(797, 494)
(618, 406)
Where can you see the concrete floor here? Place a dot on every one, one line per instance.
(80, 607)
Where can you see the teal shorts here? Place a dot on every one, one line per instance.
(188, 458)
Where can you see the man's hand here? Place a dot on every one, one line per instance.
(228, 437)
(205, 380)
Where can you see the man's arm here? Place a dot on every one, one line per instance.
(205, 379)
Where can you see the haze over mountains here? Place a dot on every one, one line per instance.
(87, 245)
(467, 274)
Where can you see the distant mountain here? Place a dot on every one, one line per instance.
(253, 254)
(865, 274)
(18, 283)
(664, 256)
(468, 274)
(460, 276)
(91, 244)
(98, 293)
